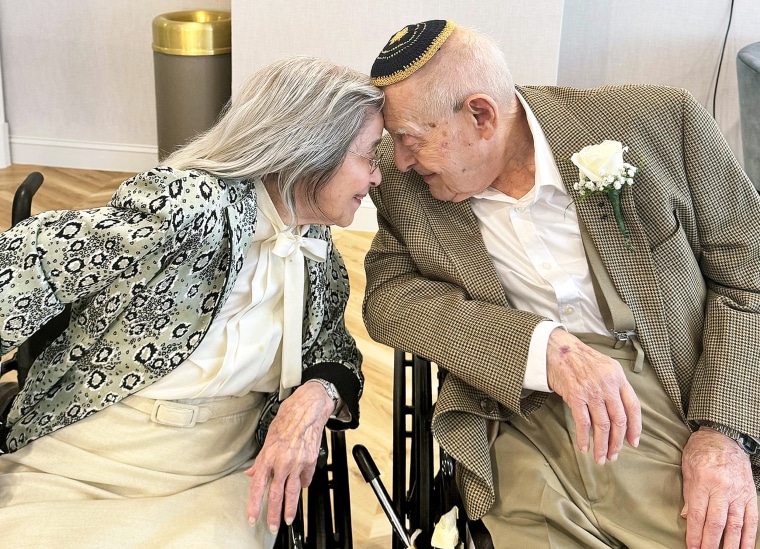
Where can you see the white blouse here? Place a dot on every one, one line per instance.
(246, 347)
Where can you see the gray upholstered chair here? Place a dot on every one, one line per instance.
(748, 73)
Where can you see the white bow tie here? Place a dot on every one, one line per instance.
(293, 248)
(287, 243)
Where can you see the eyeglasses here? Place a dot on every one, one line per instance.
(373, 162)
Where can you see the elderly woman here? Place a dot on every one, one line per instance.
(207, 328)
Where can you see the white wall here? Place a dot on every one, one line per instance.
(78, 80)
(5, 150)
(673, 42)
(77, 75)
(353, 33)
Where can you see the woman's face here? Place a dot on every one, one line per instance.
(339, 199)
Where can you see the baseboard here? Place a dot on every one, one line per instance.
(87, 156)
(120, 158)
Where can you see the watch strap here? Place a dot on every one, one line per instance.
(749, 443)
(330, 389)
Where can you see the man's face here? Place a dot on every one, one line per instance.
(448, 154)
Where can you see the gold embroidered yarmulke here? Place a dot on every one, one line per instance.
(408, 50)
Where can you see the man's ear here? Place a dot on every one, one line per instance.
(484, 113)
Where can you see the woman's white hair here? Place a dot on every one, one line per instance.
(294, 119)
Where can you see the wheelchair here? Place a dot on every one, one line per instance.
(421, 492)
(327, 519)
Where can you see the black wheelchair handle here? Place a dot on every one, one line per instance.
(372, 476)
(365, 462)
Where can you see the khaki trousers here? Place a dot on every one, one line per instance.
(550, 495)
(137, 475)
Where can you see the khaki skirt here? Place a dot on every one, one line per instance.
(141, 473)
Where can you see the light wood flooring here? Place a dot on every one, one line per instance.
(77, 189)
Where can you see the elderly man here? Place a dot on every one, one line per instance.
(586, 266)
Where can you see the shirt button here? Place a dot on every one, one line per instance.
(546, 265)
(569, 309)
(489, 406)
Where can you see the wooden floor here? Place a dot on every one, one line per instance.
(77, 189)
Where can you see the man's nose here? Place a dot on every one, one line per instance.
(403, 157)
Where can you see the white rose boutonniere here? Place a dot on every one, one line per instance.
(602, 170)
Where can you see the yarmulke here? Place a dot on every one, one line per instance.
(408, 50)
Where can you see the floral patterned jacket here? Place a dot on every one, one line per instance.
(145, 276)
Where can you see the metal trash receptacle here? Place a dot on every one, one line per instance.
(192, 61)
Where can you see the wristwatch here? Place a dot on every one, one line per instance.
(749, 443)
(330, 389)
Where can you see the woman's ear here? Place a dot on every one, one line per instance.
(484, 113)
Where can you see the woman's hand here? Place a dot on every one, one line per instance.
(289, 456)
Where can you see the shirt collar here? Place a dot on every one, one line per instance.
(548, 179)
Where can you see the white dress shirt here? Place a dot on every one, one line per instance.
(535, 244)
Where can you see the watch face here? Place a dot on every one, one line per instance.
(749, 443)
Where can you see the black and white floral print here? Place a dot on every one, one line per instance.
(145, 276)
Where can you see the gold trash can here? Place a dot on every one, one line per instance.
(192, 61)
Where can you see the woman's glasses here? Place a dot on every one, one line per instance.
(373, 162)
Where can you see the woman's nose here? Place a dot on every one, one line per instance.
(375, 178)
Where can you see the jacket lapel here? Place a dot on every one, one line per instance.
(317, 289)
(632, 271)
(456, 228)
(241, 225)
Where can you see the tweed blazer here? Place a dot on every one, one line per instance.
(145, 276)
(692, 280)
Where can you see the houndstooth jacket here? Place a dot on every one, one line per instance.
(146, 275)
(692, 280)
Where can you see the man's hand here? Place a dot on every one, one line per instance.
(289, 456)
(719, 495)
(595, 388)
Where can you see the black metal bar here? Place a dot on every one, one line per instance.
(340, 491)
(422, 460)
(400, 436)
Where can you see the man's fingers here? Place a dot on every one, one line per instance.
(611, 421)
(625, 421)
(632, 407)
(618, 427)
(600, 423)
(714, 524)
(582, 425)
(732, 534)
(749, 528)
